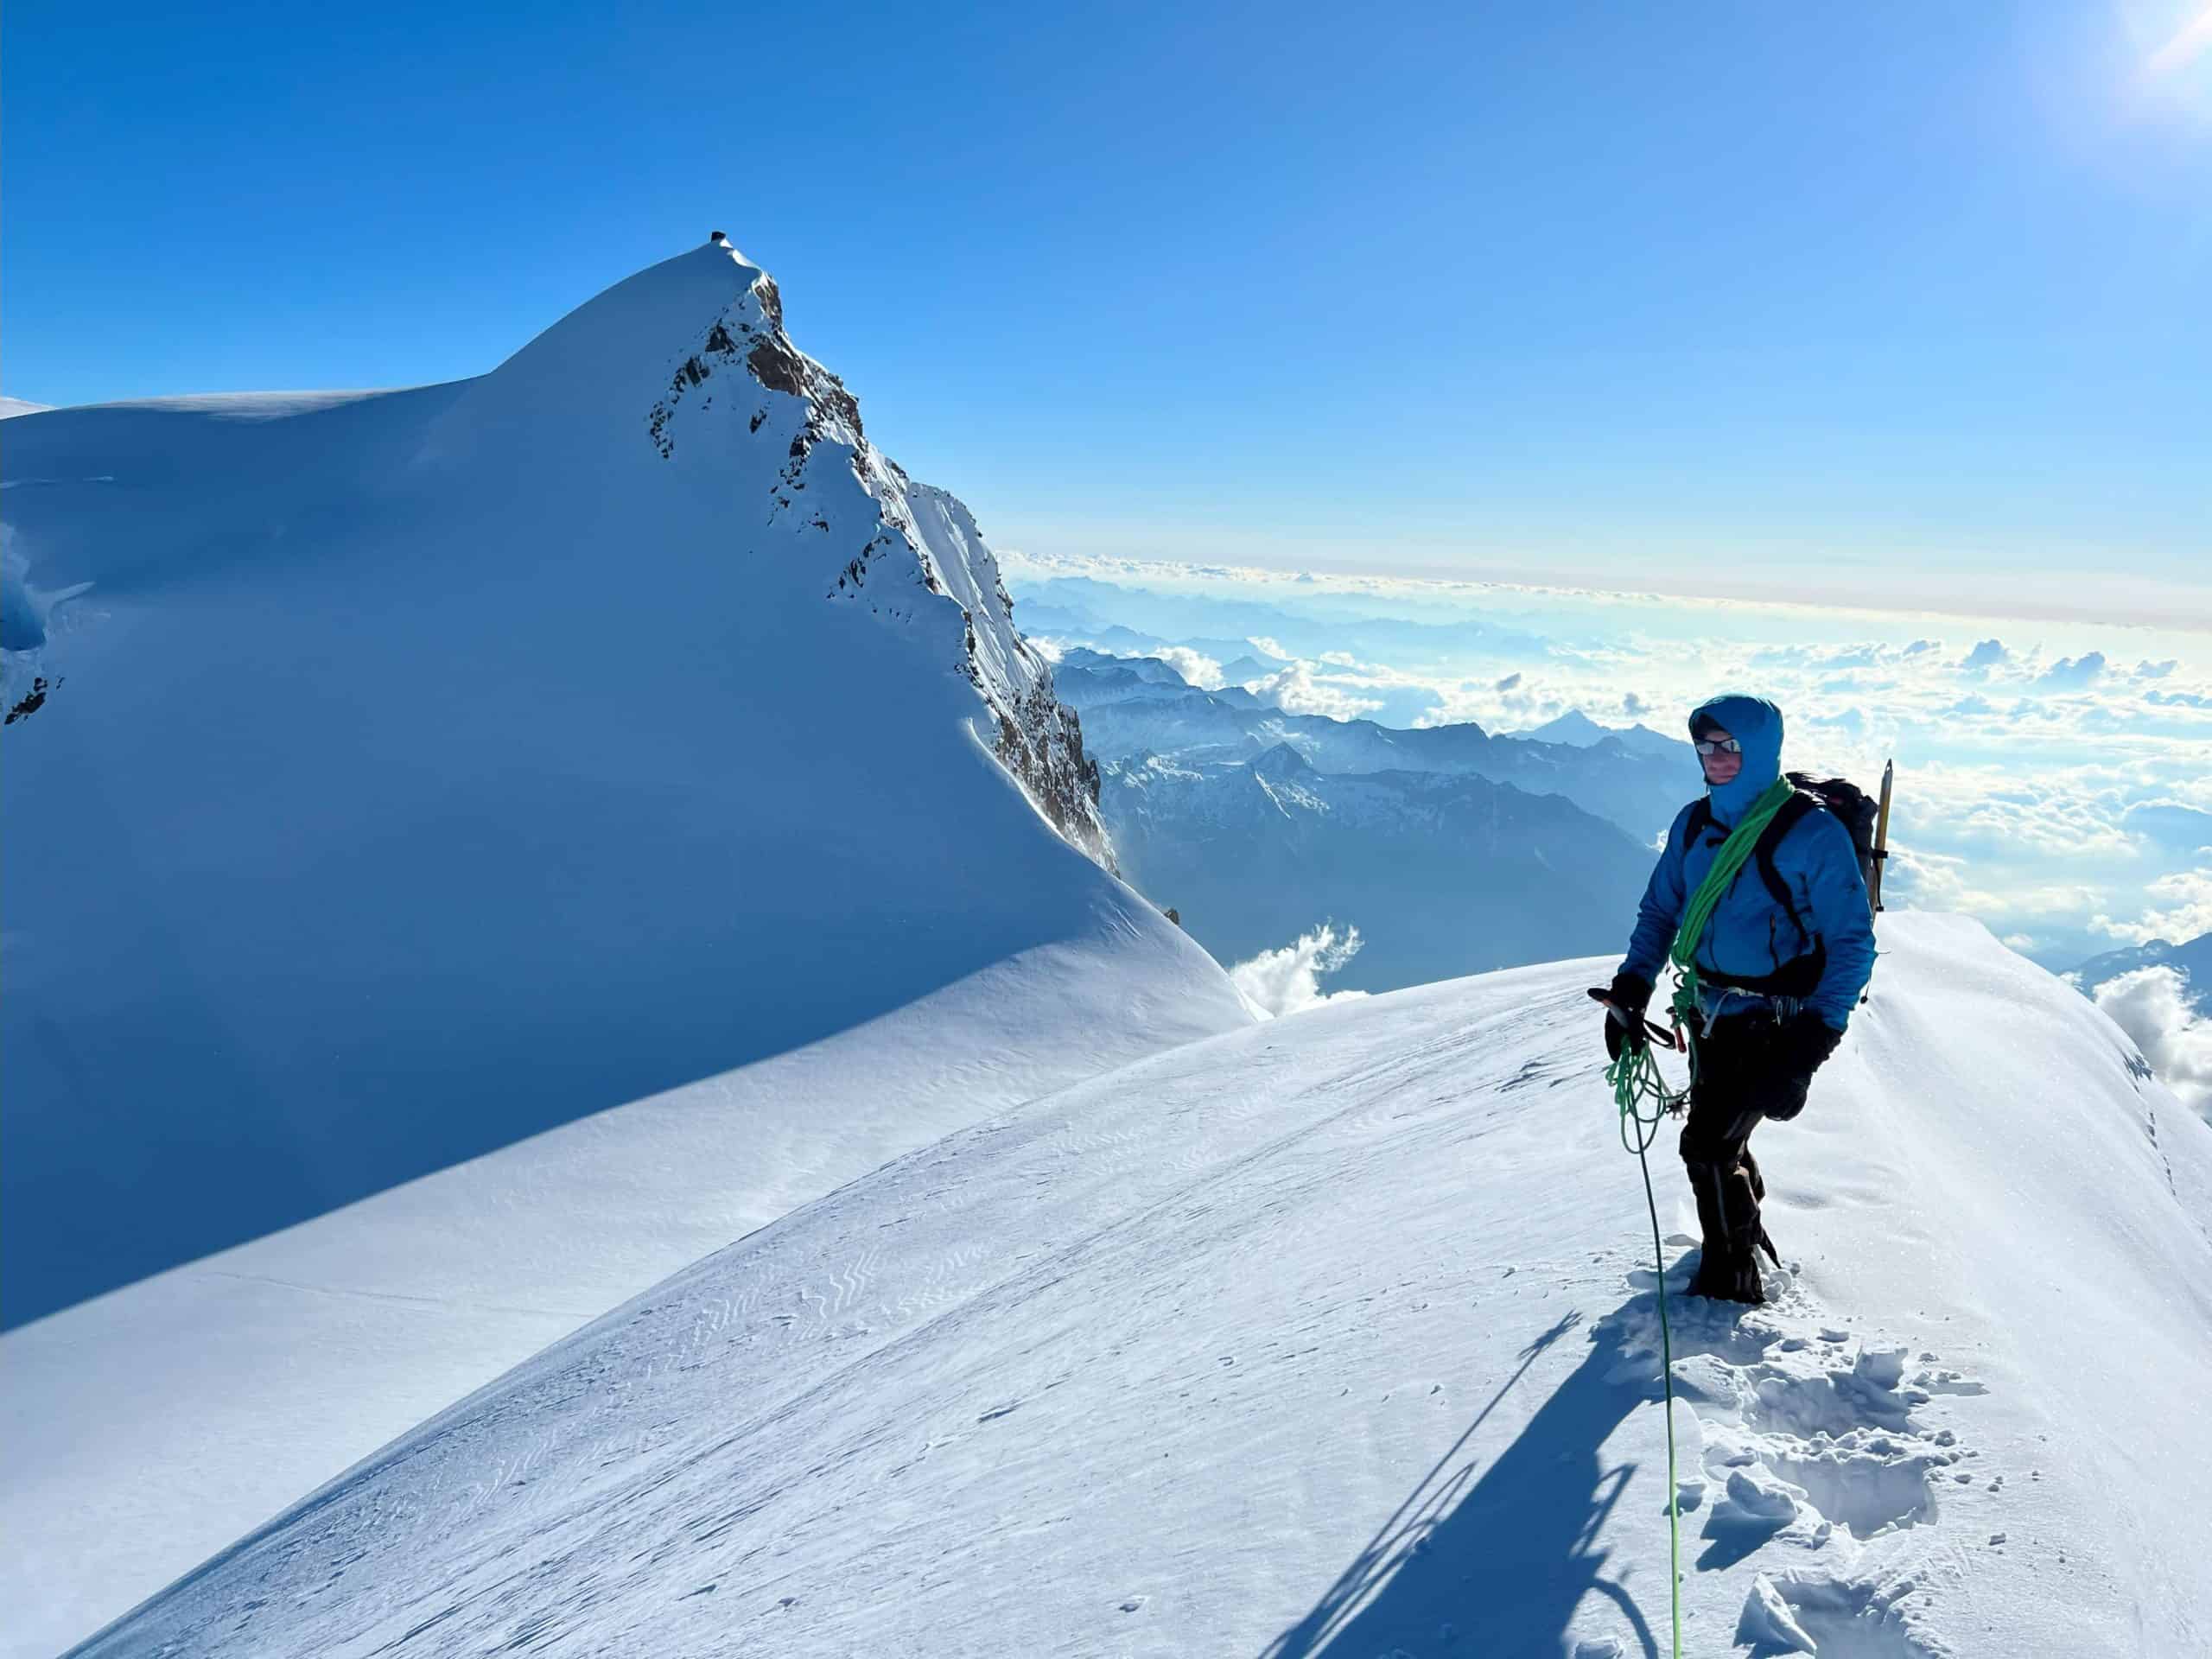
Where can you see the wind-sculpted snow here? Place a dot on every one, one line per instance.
(1337, 1335)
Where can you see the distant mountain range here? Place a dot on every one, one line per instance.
(1578, 730)
(1451, 849)
(1635, 778)
(1444, 874)
(2192, 959)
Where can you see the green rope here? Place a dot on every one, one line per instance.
(1641, 1095)
(1637, 1081)
(1734, 853)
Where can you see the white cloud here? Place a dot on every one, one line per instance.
(1196, 667)
(1286, 981)
(2054, 802)
(2172, 824)
(1297, 690)
(2072, 673)
(2149, 1004)
(2186, 897)
(1267, 647)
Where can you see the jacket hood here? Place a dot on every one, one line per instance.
(1754, 723)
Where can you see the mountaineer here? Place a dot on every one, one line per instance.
(1786, 948)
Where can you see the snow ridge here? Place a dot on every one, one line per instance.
(916, 534)
(1354, 1311)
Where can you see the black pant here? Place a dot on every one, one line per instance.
(1740, 1080)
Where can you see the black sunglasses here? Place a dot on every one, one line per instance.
(1719, 745)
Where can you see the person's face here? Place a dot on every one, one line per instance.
(1722, 765)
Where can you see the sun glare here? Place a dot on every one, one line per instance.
(2177, 63)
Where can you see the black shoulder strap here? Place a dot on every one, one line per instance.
(1699, 820)
(1785, 820)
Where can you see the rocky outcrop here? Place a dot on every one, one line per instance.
(1040, 742)
(912, 553)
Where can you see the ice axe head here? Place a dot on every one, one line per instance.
(1665, 1036)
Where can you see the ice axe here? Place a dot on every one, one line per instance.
(1881, 851)
(1665, 1036)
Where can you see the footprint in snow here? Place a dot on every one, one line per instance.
(1804, 1438)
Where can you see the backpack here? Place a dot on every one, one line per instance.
(1838, 796)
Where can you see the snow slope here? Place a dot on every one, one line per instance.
(401, 774)
(394, 777)
(145, 1429)
(1337, 1335)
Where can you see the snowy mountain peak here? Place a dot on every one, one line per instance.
(1573, 727)
(689, 362)
(1283, 760)
(635, 652)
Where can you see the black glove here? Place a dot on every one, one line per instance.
(1631, 994)
(1803, 1044)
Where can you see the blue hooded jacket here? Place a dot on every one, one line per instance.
(1750, 935)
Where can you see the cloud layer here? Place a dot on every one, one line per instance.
(2051, 782)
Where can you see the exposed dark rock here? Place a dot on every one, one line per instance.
(839, 402)
(31, 704)
(776, 366)
(1040, 742)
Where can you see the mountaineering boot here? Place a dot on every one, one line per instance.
(1727, 1268)
(1758, 1191)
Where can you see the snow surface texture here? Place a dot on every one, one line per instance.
(146, 1429)
(1338, 1334)
(405, 774)
(421, 770)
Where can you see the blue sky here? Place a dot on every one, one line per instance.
(1900, 299)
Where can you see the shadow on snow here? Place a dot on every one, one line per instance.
(1504, 1560)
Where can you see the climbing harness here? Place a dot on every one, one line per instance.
(1641, 1095)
